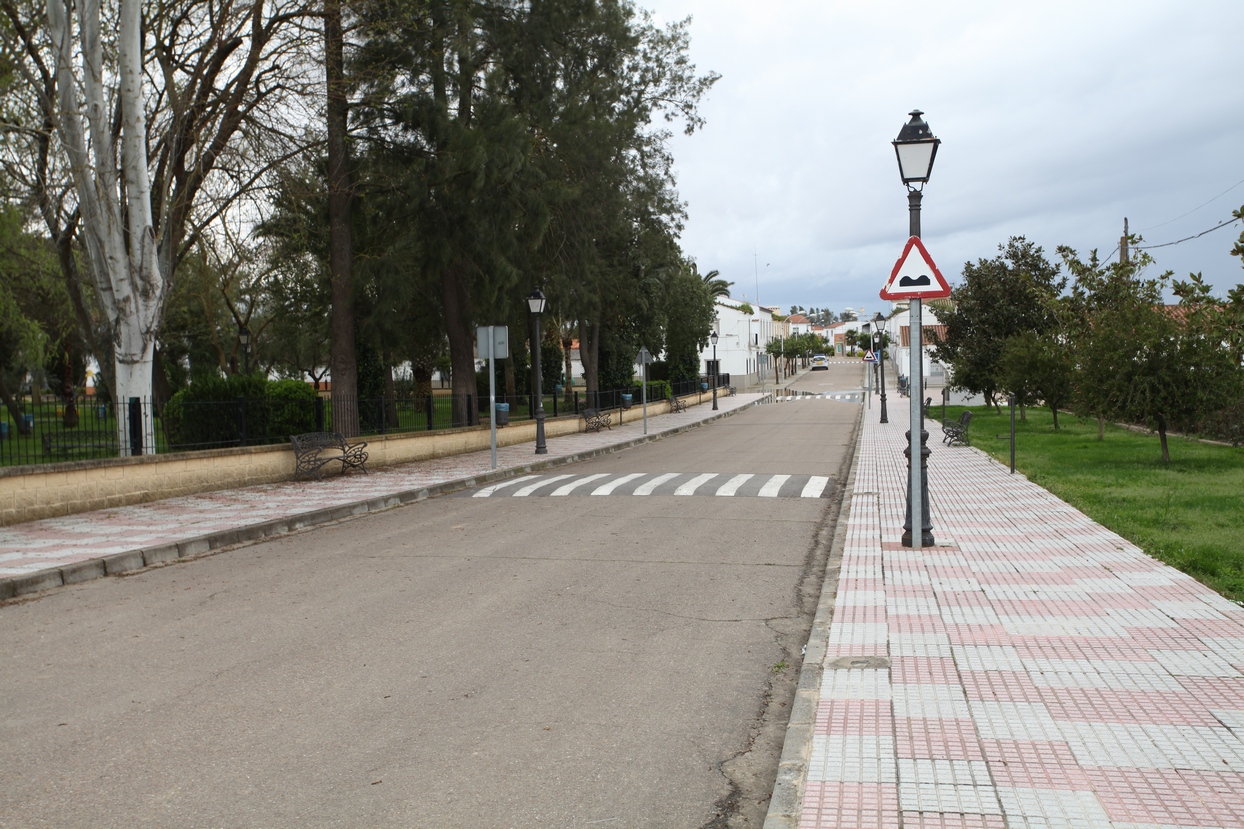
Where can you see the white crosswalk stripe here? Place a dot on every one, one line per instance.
(773, 487)
(608, 488)
(707, 484)
(530, 488)
(573, 485)
(487, 491)
(647, 489)
(732, 486)
(692, 485)
(850, 396)
(814, 487)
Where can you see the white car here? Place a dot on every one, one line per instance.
(820, 362)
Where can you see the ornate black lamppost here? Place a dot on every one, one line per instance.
(713, 339)
(916, 148)
(879, 323)
(244, 338)
(536, 302)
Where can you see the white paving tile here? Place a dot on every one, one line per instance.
(926, 701)
(1052, 809)
(1014, 721)
(988, 658)
(856, 684)
(839, 758)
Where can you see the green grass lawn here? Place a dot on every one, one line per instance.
(1189, 514)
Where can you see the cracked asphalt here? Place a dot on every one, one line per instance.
(456, 662)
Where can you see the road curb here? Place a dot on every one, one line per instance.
(785, 804)
(142, 558)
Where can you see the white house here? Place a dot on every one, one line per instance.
(743, 332)
(899, 328)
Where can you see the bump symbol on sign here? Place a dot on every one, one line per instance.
(915, 276)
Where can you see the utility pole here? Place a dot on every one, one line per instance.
(1123, 243)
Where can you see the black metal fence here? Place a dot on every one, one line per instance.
(56, 430)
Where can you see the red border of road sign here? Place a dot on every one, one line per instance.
(938, 291)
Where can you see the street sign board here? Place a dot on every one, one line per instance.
(645, 356)
(869, 357)
(915, 276)
(499, 335)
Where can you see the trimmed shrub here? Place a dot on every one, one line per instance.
(237, 410)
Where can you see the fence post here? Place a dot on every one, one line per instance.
(431, 410)
(136, 426)
(383, 412)
(240, 409)
(576, 402)
(319, 413)
(472, 415)
(555, 396)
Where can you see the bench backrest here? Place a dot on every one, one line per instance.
(317, 440)
(591, 412)
(965, 418)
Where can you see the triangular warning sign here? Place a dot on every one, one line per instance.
(915, 276)
(869, 357)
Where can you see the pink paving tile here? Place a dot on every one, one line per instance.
(1170, 797)
(854, 716)
(850, 806)
(942, 820)
(1000, 686)
(937, 739)
(1034, 764)
(914, 669)
(1225, 693)
(1125, 706)
(978, 634)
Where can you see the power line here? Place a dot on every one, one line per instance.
(1198, 207)
(1219, 226)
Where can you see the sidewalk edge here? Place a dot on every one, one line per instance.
(131, 561)
(785, 804)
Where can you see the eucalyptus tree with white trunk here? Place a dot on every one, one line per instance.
(166, 123)
(114, 199)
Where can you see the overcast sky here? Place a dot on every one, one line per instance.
(1057, 119)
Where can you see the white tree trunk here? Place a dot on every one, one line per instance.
(128, 278)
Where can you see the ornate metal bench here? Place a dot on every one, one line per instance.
(677, 405)
(955, 432)
(69, 445)
(315, 450)
(594, 419)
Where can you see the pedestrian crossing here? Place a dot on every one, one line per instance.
(849, 396)
(723, 485)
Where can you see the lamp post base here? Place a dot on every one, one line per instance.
(926, 535)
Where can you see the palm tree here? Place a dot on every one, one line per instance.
(717, 287)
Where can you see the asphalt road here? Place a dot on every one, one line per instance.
(619, 661)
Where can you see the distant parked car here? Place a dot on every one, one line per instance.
(820, 362)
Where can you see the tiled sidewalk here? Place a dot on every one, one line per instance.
(1031, 670)
(40, 554)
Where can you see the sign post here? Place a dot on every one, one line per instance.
(644, 358)
(494, 341)
(916, 278)
(869, 360)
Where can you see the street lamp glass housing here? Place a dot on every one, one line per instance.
(879, 322)
(536, 301)
(713, 338)
(916, 149)
(244, 337)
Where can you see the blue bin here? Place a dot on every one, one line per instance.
(28, 423)
(101, 412)
(503, 414)
(4, 430)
